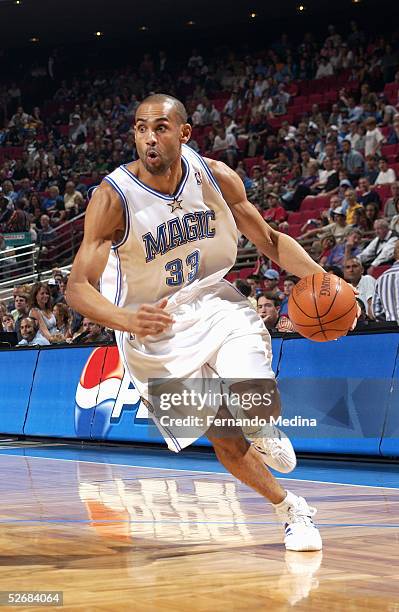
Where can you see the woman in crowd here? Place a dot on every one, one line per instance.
(42, 310)
(63, 320)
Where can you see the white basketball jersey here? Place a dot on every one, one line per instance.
(170, 242)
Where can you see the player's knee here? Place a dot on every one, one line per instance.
(259, 397)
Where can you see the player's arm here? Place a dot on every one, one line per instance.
(104, 224)
(280, 248)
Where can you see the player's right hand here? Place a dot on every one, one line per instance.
(150, 320)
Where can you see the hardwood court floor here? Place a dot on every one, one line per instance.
(118, 537)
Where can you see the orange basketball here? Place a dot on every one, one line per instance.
(322, 307)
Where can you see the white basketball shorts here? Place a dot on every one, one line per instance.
(216, 334)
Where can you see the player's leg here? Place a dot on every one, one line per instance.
(241, 459)
(244, 462)
(248, 359)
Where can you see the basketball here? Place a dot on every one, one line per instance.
(322, 307)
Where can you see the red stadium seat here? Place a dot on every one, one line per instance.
(384, 191)
(294, 217)
(396, 168)
(392, 149)
(245, 272)
(321, 202)
(308, 203)
(294, 230)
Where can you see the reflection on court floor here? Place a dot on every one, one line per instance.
(109, 535)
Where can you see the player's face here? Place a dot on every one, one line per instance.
(159, 136)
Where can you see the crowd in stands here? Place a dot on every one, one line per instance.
(312, 129)
(39, 315)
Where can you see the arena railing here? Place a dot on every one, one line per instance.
(7, 286)
(246, 258)
(17, 261)
(61, 244)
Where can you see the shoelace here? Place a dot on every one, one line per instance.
(298, 514)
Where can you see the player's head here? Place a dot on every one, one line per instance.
(160, 129)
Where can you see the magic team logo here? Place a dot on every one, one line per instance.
(105, 395)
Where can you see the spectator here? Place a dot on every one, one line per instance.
(41, 310)
(93, 332)
(371, 170)
(386, 296)
(226, 146)
(77, 130)
(289, 284)
(54, 200)
(324, 69)
(46, 233)
(373, 139)
(72, 197)
(268, 310)
(393, 136)
(293, 201)
(274, 211)
(350, 205)
(245, 288)
(253, 281)
(394, 224)
(328, 243)
(390, 208)
(371, 214)
(8, 323)
(380, 250)
(363, 283)
(21, 303)
(271, 281)
(365, 195)
(63, 320)
(352, 161)
(30, 333)
(385, 175)
(345, 250)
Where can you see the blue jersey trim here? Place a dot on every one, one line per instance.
(207, 170)
(156, 193)
(122, 196)
(118, 279)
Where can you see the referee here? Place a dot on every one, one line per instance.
(386, 296)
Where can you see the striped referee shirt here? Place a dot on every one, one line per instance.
(386, 296)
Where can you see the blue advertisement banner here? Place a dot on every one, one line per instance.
(52, 405)
(390, 439)
(350, 388)
(16, 374)
(343, 386)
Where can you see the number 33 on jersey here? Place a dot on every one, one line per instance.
(169, 241)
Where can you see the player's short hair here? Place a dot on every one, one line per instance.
(160, 97)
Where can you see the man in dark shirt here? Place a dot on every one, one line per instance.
(365, 195)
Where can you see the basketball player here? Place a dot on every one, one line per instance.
(160, 235)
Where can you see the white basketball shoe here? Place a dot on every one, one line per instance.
(301, 534)
(275, 448)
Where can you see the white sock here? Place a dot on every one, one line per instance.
(289, 500)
